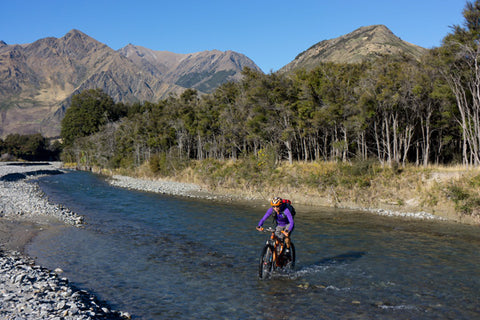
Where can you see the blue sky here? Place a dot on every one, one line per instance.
(271, 33)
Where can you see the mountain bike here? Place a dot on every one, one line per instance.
(274, 256)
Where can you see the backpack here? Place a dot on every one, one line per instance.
(289, 207)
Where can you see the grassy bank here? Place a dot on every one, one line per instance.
(448, 192)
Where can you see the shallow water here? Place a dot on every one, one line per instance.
(163, 257)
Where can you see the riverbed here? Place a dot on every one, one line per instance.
(159, 256)
(28, 290)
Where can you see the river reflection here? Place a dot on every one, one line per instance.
(161, 257)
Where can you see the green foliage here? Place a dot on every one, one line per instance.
(30, 147)
(326, 114)
(188, 80)
(457, 193)
(394, 110)
(465, 195)
(167, 164)
(88, 111)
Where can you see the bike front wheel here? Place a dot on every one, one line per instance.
(291, 258)
(266, 263)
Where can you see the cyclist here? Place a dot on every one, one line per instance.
(283, 218)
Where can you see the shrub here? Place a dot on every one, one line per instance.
(167, 164)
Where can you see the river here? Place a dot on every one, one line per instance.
(163, 257)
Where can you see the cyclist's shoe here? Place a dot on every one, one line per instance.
(287, 252)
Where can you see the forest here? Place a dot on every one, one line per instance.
(394, 110)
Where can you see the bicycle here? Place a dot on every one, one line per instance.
(274, 257)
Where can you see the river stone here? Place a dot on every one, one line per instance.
(29, 291)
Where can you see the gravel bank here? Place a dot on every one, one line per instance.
(189, 190)
(28, 291)
(23, 199)
(164, 187)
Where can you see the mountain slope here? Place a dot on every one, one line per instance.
(362, 44)
(203, 70)
(37, 80)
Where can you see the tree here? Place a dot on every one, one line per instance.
(28, 147)
(88, 111)
(460, 57)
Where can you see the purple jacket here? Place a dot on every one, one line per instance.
(283, 218)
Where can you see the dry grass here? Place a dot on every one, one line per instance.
(447, 191)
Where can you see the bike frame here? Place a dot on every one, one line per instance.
(278, 245)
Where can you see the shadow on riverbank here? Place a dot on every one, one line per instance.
(13, 177)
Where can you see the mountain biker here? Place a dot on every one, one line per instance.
(283, 218)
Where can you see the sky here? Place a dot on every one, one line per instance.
(271, 33)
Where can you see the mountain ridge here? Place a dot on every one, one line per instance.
(37, 80)
(364, 43)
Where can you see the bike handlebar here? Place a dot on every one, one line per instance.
(268, 229)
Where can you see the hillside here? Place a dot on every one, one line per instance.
(37, 80)
(362, 44)
(203, 70)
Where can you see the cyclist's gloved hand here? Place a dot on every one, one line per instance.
(259, 228)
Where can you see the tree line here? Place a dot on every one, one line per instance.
(31, 147)
(394, 109)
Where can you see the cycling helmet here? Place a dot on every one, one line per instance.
(276, 202)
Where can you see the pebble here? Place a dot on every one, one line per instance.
(29, 291)
(21, 197)
(414, 215)
(188, 190)
(165, 187)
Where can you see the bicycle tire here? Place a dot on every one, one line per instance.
(266, 263)
(291, 261)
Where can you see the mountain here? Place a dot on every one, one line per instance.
(203, 70)
(37, 80)
(360, 45)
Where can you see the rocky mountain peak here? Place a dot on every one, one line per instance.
(37, 80)
(77, 40)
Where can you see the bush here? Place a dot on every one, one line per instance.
(465, 201)
(167, 164)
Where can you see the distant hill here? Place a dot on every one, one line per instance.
(203, 71)
(37, 80)
(360, 45)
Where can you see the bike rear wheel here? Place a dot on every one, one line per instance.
(266, 263)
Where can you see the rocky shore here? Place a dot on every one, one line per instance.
(28, 291)
(22, 199)
(189, 190)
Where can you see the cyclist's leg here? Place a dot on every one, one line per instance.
(287, 239)
(280, 235)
